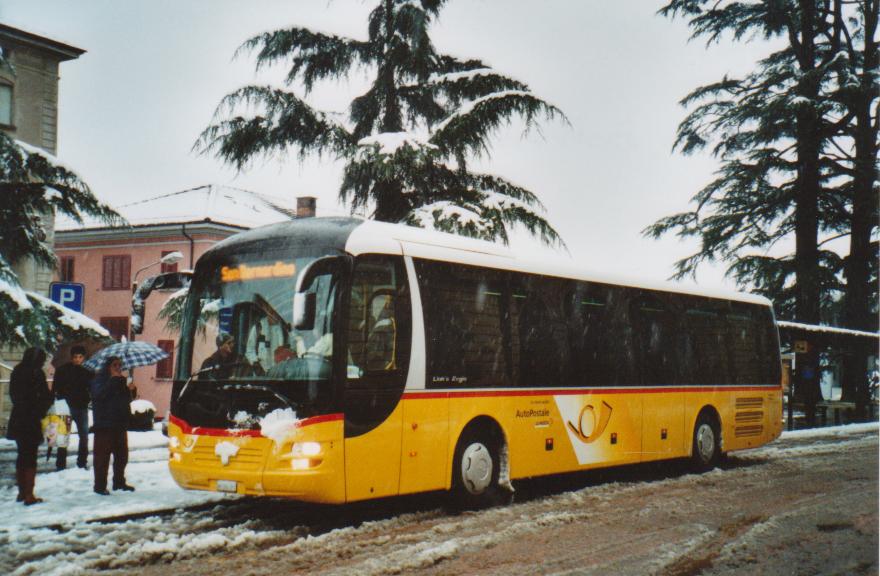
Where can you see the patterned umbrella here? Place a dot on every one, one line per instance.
(131, 353)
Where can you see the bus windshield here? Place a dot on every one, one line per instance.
(240, 354)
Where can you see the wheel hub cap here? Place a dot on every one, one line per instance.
(476, 468)
(706, 442)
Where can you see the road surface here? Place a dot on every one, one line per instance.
(806, 504)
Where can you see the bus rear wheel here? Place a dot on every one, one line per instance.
(477, 468)
(706, 451)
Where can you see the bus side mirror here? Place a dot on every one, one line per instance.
(304, 304)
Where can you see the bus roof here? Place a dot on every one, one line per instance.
(382, 237)
(358, 236)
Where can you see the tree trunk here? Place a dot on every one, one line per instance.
(857, 311)
(807, 214)
(391, 206)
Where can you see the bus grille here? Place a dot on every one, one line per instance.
(747, 431)
(749, 417)
(754, 416)
(749, 402)
(245, 459)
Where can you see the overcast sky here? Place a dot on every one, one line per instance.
(134, 103)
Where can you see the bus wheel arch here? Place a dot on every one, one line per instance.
(707, 445)
(480, 466)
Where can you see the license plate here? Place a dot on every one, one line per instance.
(227, 485)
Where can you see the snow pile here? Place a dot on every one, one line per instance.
(141, 406)
(71, 319)
(69, 498)
(825, 329)
(91, 548)
(468, 107)
(390, 142)
(430, 214)
(244, 419)
(16, 294)
(209, 202)
(212, 307)
(278, 424)
(839, 431)
(456, 76)
(225, 450)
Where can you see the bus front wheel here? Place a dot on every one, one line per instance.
(477, 468)
(706, 452)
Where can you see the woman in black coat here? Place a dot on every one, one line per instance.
(31, 400)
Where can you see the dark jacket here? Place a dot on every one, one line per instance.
(110, 402)
(31, 400)
(72, 384)
(234, 365)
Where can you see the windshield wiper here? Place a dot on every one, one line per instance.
(205, 371)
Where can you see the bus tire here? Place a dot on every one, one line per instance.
(477, 467)
(706, 450)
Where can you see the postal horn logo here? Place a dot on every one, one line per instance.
(591, 422)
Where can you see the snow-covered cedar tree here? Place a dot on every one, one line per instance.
(34, 186)
(797, 143)
(172, 312)
(406, 142)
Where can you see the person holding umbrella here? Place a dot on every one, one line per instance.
(31, 400)
(111, 396)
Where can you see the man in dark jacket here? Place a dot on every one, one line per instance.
(111, 397)
(72, 385)
(225, 362)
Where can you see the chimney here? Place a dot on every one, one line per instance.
(305, 207)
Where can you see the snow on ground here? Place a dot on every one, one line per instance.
(844, 430)
(69, 498)
(64, 535)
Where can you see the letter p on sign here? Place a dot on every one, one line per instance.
(68, 294)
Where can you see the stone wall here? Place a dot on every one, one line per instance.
(34, 80)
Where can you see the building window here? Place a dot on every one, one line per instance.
(168, 267)
(165, 367)
(6, 104)
(117, 273)
(66, 269)
(116, 325)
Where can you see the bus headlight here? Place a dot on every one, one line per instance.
(306, 449)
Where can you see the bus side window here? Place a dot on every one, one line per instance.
(378, 327)
(542, 330)
(466, 323)
(705, 321)
(656, 331)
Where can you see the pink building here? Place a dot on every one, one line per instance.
(106, 260)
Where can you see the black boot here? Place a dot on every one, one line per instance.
(29, 476)
(19, 481)
(61, 459)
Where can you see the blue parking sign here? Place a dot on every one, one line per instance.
(68, 294)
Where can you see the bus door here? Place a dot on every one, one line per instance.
(379, 341)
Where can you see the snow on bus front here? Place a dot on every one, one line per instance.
(254, 365)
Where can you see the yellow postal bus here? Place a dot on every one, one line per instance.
(336, 360)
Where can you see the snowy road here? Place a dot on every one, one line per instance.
(805, 504)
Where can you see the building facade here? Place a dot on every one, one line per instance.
(29, 113)
(108, 261)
